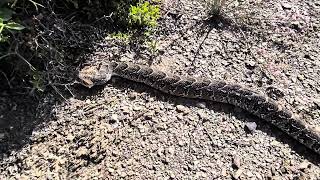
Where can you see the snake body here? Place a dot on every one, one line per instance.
(218, 91)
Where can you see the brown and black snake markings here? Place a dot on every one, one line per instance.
(217, 91)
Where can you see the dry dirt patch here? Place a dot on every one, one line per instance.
(126, 130)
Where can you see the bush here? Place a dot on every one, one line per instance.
(144, 15)
(60, 32)
(6, 23)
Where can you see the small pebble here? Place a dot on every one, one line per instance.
(201, 105)
(2, 135)
(137, 108)
(300, 77)
(317, 102)
(171, 150)
(286, 5)
(132, 95)
(203, 116)
(82, 151)
(238, 173)
(236, 161)
(250, 64)
(111, 170)
(125, 110)
(304, 165)
(148, 115)
(114, 118)
(182, 109)
(251, 127)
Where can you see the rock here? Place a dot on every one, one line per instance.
(82, 151)
(250, 64)
(275, 143)
(160, 152)
(122, 174)
(181, 143)
(249, 174)
(250, 127)
(296, 25)
(300, 77)
(115, 153)
(161, 126)
(286, 5)
(224, 171)
(238, 173)
(260, 60)
(114, 118)
(203, 116)
(201, 105)
(149, 115)
(236, 161)
(258, 176)
(111, 170)
(70, 137)
(125, 110)
(180, 117)
(133, 95)
(317, 103)
(182, 109)
(304, 165)
(142, 129)
(137, 108)
(196, 17)
(171, 150)
(109, 128)
(2, 136)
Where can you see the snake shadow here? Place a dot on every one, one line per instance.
(121, 83)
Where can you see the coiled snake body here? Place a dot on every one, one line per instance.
(217, 91)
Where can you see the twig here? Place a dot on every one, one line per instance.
(5, 76)
(67, 87)
(9, 54)
(26, 61)
(56, 89)
(21, 57)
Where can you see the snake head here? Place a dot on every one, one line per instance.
(93, 75)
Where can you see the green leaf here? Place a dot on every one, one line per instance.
(5, 14)
(3, 38)
(14, 26)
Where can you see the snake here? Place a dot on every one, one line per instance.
(253, 102)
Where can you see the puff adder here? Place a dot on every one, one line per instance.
(218, 91)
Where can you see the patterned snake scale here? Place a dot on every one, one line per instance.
(218, 91)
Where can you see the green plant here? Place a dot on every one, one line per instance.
(216, 6)
(144, 14)
(152, 46)
(121, 36)
(6, 24)
(37, 81)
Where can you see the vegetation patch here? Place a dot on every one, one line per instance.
(144, 14)
(6, 24)
(43, 42)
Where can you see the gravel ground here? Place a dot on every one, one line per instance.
(126, 130)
